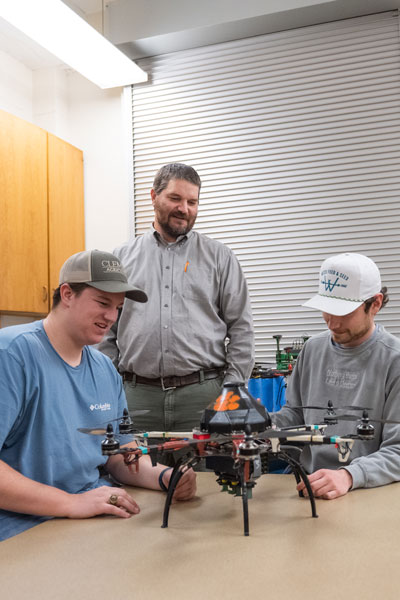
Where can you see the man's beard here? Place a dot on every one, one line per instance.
(350, 337)
(176, 231)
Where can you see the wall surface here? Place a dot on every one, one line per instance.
(62, 102)
(96, 121)
(16, 87)
(99, 125)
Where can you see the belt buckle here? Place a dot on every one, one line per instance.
(164, 388)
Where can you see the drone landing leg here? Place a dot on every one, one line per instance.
(176, 475)
(300, 474)
(245, 503)
(245, 509)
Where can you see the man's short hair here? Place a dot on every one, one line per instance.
(175, 171)
(368, 303)
(77, 288)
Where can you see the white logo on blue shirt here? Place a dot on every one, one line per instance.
(105, 406)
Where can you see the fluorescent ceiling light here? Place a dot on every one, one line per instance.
(62, 32)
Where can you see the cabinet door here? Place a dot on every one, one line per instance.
(23, 216)
(66, 206)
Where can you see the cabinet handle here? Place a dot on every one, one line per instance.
(44, 293)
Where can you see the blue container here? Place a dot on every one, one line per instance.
(270, 390)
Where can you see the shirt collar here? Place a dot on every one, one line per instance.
(181, 239)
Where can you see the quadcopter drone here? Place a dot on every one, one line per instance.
(238, 442)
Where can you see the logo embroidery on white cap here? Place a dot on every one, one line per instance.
(330, 284)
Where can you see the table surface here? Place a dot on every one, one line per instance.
(352, 549)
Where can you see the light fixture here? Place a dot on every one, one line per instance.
(62, 32)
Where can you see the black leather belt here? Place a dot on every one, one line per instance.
(174, 381)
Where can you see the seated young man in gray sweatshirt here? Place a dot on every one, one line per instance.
(355, 363)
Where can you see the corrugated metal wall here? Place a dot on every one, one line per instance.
(296, 136)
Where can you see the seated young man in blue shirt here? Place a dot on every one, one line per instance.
(52, 382)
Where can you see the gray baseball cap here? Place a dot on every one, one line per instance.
(101, 270)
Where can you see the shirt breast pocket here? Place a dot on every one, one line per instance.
(197, 285)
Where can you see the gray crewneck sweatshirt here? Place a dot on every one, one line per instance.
(365, 376)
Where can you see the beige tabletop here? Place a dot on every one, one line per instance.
(351, 550)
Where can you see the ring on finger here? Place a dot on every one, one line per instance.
(113, 499)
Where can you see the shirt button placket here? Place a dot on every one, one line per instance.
(166, 298)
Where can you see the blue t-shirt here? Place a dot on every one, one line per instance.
(43, 401)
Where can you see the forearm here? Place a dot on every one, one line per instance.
(380, 468)
(236, 312)
(240, 350)
(20, 494)
(287, 417)
(146, 476)
(23, 495)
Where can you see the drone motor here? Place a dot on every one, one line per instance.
(109, 445)
(365, 429)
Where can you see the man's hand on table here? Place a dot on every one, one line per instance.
(97, 502)
(328, 484)
(186, 488)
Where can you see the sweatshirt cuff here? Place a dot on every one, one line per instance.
(357, 474)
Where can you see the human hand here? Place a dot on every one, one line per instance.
(328, 484)
(186, 488)
(97, 502)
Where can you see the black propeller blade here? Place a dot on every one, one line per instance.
(365, 418)
(329, 408)
(126, 417)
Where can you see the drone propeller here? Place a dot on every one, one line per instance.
(331, 407)
(126, 420)
(93, 430)
(282, 434)
(365, 418)
(126, 415)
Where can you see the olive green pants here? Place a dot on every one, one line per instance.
(177, 409)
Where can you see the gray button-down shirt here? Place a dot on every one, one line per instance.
(198, 314)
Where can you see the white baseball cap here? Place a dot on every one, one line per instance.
(345, 282)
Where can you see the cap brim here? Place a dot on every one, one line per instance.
(332, 306)
(115, 287)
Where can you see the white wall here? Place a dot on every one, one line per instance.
(67, 105)
(99, 124)
(16, 87)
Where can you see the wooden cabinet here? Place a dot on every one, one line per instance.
(66, 206)
(41, 213)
